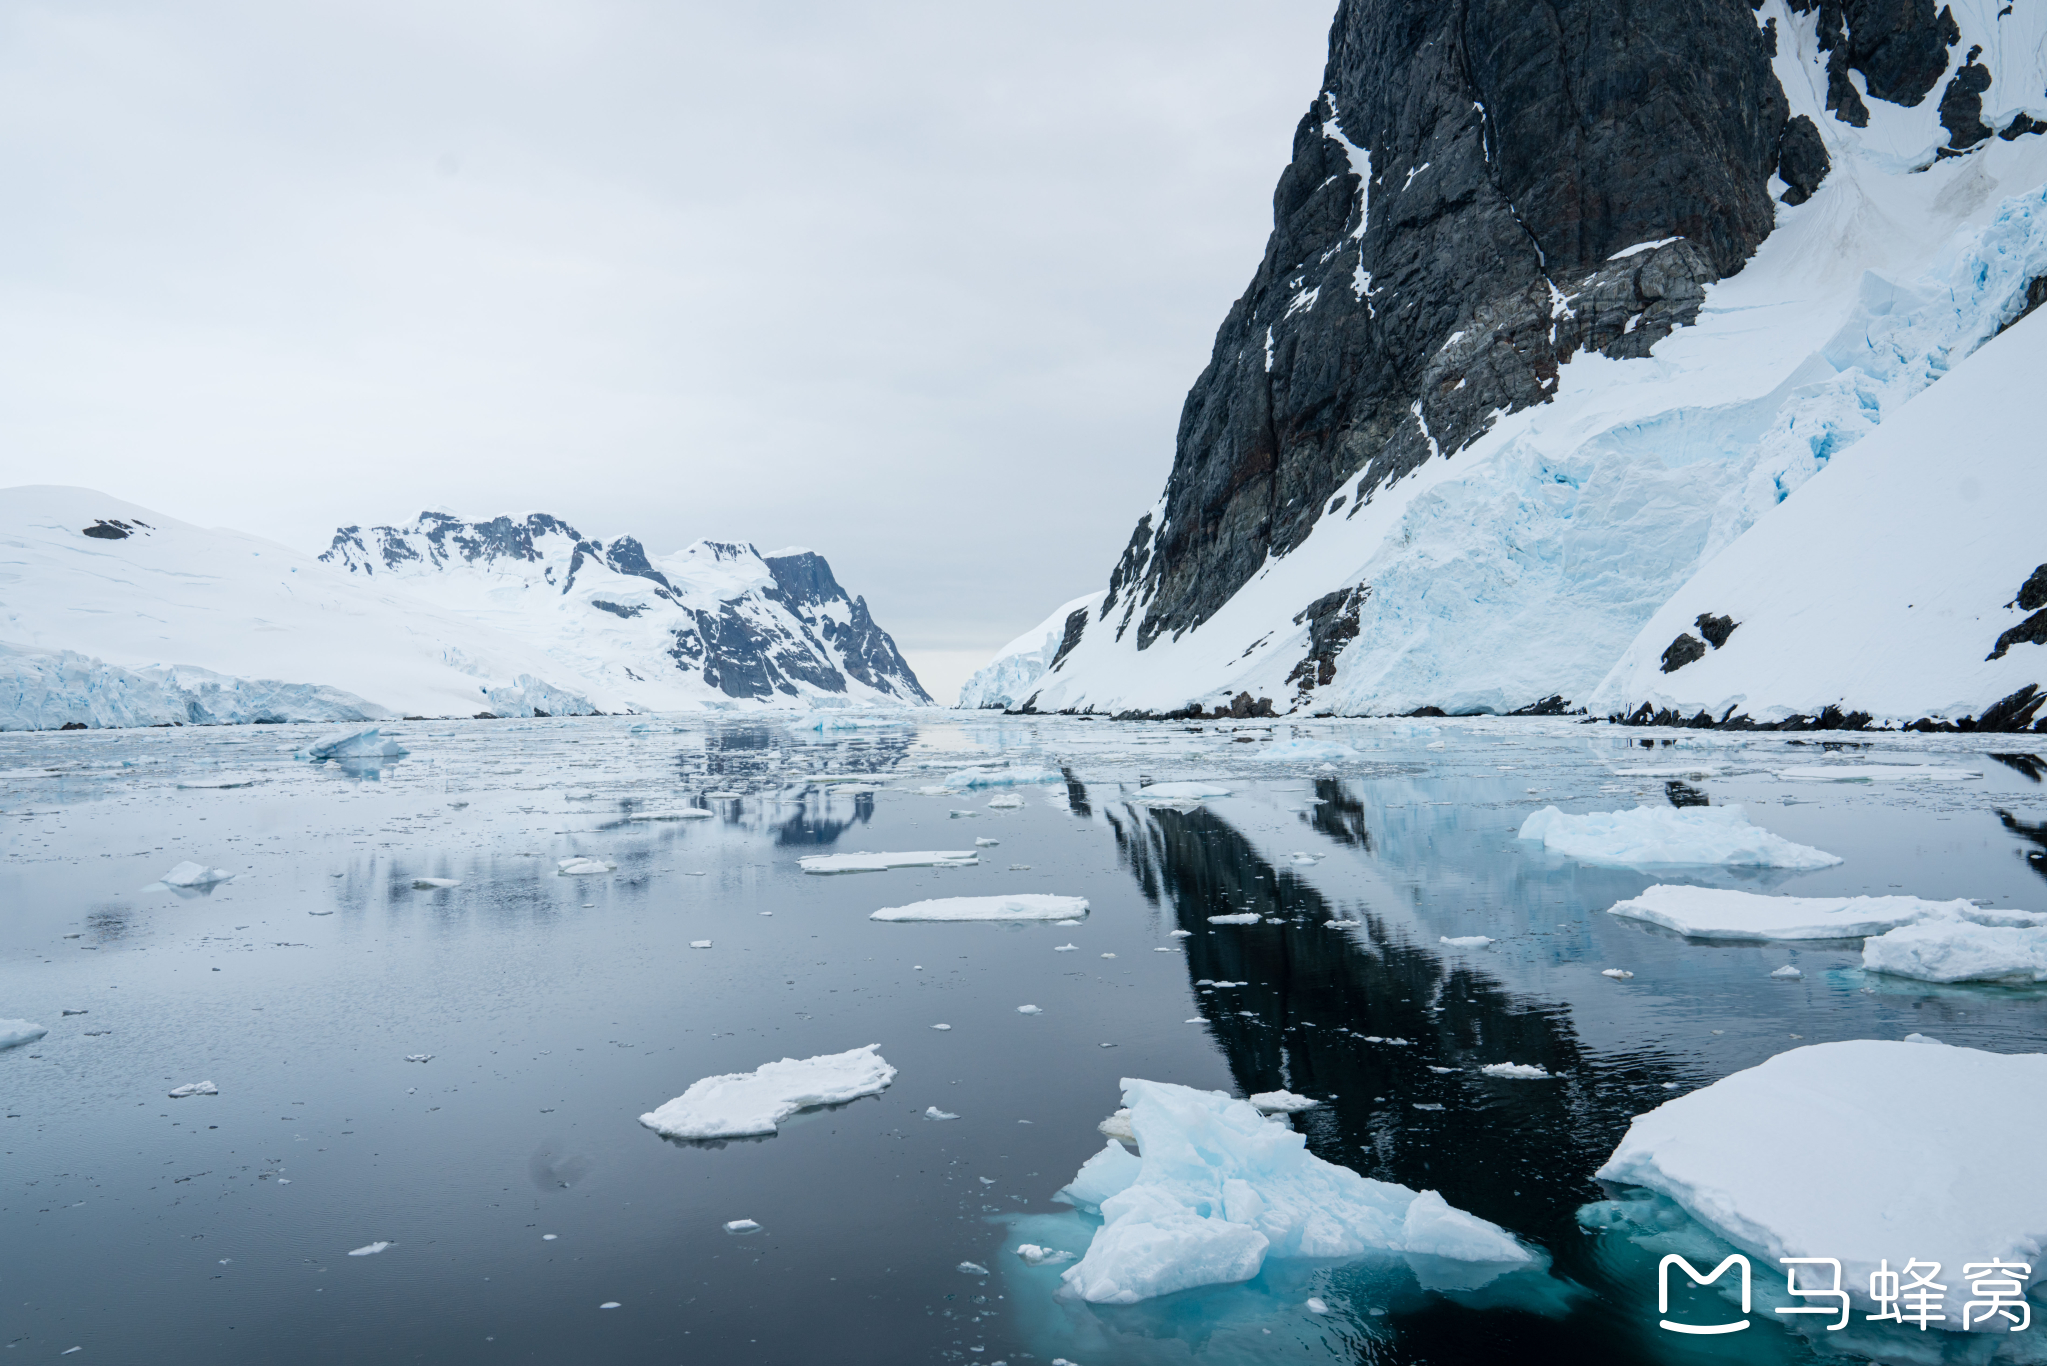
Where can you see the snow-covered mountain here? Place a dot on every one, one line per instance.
(116, 615)
(1553, 315)
(716, 621)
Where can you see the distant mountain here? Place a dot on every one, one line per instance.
(717, 621)
(116, 615)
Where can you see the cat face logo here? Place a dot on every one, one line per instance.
(1663, 1293)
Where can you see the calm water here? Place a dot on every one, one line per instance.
(558, 1009)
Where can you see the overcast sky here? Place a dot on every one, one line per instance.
(918, 285)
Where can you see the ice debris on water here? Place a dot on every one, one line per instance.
(941, 1027)
(1008, 801)
(1183, 934)
(1283, 1102)
(1117, 1126)
(1245, 918)
(1516, 1071)
(1959, 951)
(194, 1088)
(371, 1250)
(1649, 836)
(366, 743)
(741, 1226)
(419, 1057)
(1716, 913)
(739, 1104)
(1034, 1254)
(610, 1304)
(1028, 1010)
(1618, 974)
(1216, 1189)
(1315, 1306)
(881, 863)
(1066, 948)
(1787, 971)
(1466, 941)
(700, 943)
(1027, 906)
(973, 1268)
(14, 1033)
(1181, 792)
(189, 874)
(984, 842)
(434, 884)
(583, 867)
(933, 1112)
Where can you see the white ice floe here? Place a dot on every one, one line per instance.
(371, 1250)
(941, 1027)
(14, 1033)
(1298, 750)
(1515, 1071)
(1217, 1188)
(1036, 1255)
(1864, 1151)
(700, 943)
(1066, 948)
(687, 813)
(434, 884)
(1003, 777)
(1714, 913)
(219, 782)
(1652, 835)
(1958, 951)
(583, 867)
(973, 1268)
(1315, 1306)
(739, 1104)
(363, 743)
(1876, 773)
(1028, 1010)
(1466, 941)
(1242, 918)
(1787, 972)
(1283, 1102)
(933, 1112)
(194, 1088)
(1009, 801)
(1021, 907)
(1181, 792)
(741, 1226)
(881, 863)
(189, 874)
(419, 1057)
(983, 842)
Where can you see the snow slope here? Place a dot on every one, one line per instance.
(168, 622)
(1008, 678)
(1525, 565)
(1884, 586)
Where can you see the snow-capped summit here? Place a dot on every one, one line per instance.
(716, 620)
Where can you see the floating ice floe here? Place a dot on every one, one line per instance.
(365, 743)
(1242, 918)
(1672, 771)
(1283, 1102)
(1216, 1188)
(372, 1250)
(194, 1088)
(1181, 792)
(700, 943)
(1876, 773)
(1787, 972)
(1066, 948)
(984, 842)
(973, 1268)
(1652, 835)
(1301, 751)
(1960, 951)
(1714, 913)
(687, 813)
(1839, 1150)
(1009, 801)
(1466, 941)
(220, 782)
(933, 1112)
(739, 1104)
(583, 867)
(1315, 1306)
(1003, 777)
(14, 1033)
(435, 884)
(1515, 1071)
(881, 863)
(1618, 974)
(419, 1057)
(1029, 1010)
(724, 796)
(1021, 907)
(741, 1226)
(195, 875)
(1035, 1255)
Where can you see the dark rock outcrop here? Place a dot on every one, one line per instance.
(1332, 622)
(1961, 105)
(2032, 597)
(1900, 47)
(1686, 649)
(1716, 630)
(1802, 160)
(1076, 626)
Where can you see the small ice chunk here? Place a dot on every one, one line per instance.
(189, 874)
(1026, 906)
(583, 867)
(364, 743)
(933, 1112)
(1066, 948)
(1019, 867)
(741, 1226)
(984, 842)
(881, 863)
(1028, 1010)
(1787, 971)
(1516, 1071)
(1183, 934)
(1466, 941)
(1008, 801)
(1714, 913)
(941, 1027)
(371, 1250)
(1246, 918)
(1181, 792)
(14, 1033)
(739, 1104)
(1920, 1038)
(1165, 948)
(700, 943)
(1957, 951)
(1036, 1255)
(609, 1304)
(419, 1057)
(1649, 836)
(1304, 859)
(1283, 1102)
(194, 1088)
(1316, 1306)
(1433, 744)
(1117, 1126)
(1341, 924)
(549, 1237)
(1618, 974)
(973, 1268)
(434, 884)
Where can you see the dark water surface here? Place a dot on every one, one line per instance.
(558, 1009)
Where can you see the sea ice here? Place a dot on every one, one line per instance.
(14, 1033)
(1003, 777)
(1713, 913)
(700, 943)
(1283, 1102)
(1028, 1010)
(881, 863)
(1302, 751)
(1066, 948)
(1026, 906)
(1466, 941)
(1865, 773)
(739, 1104)
(741, 1226)
(1181, 792)
(973, 1268)
(1840, 1150)
(1650, 835)
(1036, 1255)
(1515, 1071)
(1217, 1189)
(583, 867)
(1315, 1306)
(687, 813)
(189, 874)
(1787, 972)
(1244, 918)
(1006, 802)
(370, 1251)
(982, 841)
(933, 1112)
(364, 743)
(434, 884)
(194, 1088)
(1958, 951)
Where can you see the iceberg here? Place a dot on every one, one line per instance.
(1648, 836)
(1711, 913)
(1959, 951)
(743, 1104)
(583, 867)
(363, 743)
(1216, 1189)
(881, 863)
(189, 874)
(1028, 906)
(14, 1033)
(1866, 1151)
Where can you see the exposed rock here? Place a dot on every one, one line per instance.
(110, 529)
(1961, 105)
(1802, 160)
(1332, 621)
(1899, 46)
(1553, 705)
(1682, 651)
(1076, 625)
(2033, 592)
(1716, 630)
(2031, 631)
(2014, 712)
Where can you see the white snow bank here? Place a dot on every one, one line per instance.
(1283, 1102)
(881, 863)
(1650, 835)
(1027, 906)
(738, 1104)
(1013, 674)
(189, 874)
(1217, 1188)
(1711, 913)
(14, 1033)
(1957, 951)
(365, 743)
(1865, 1151)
